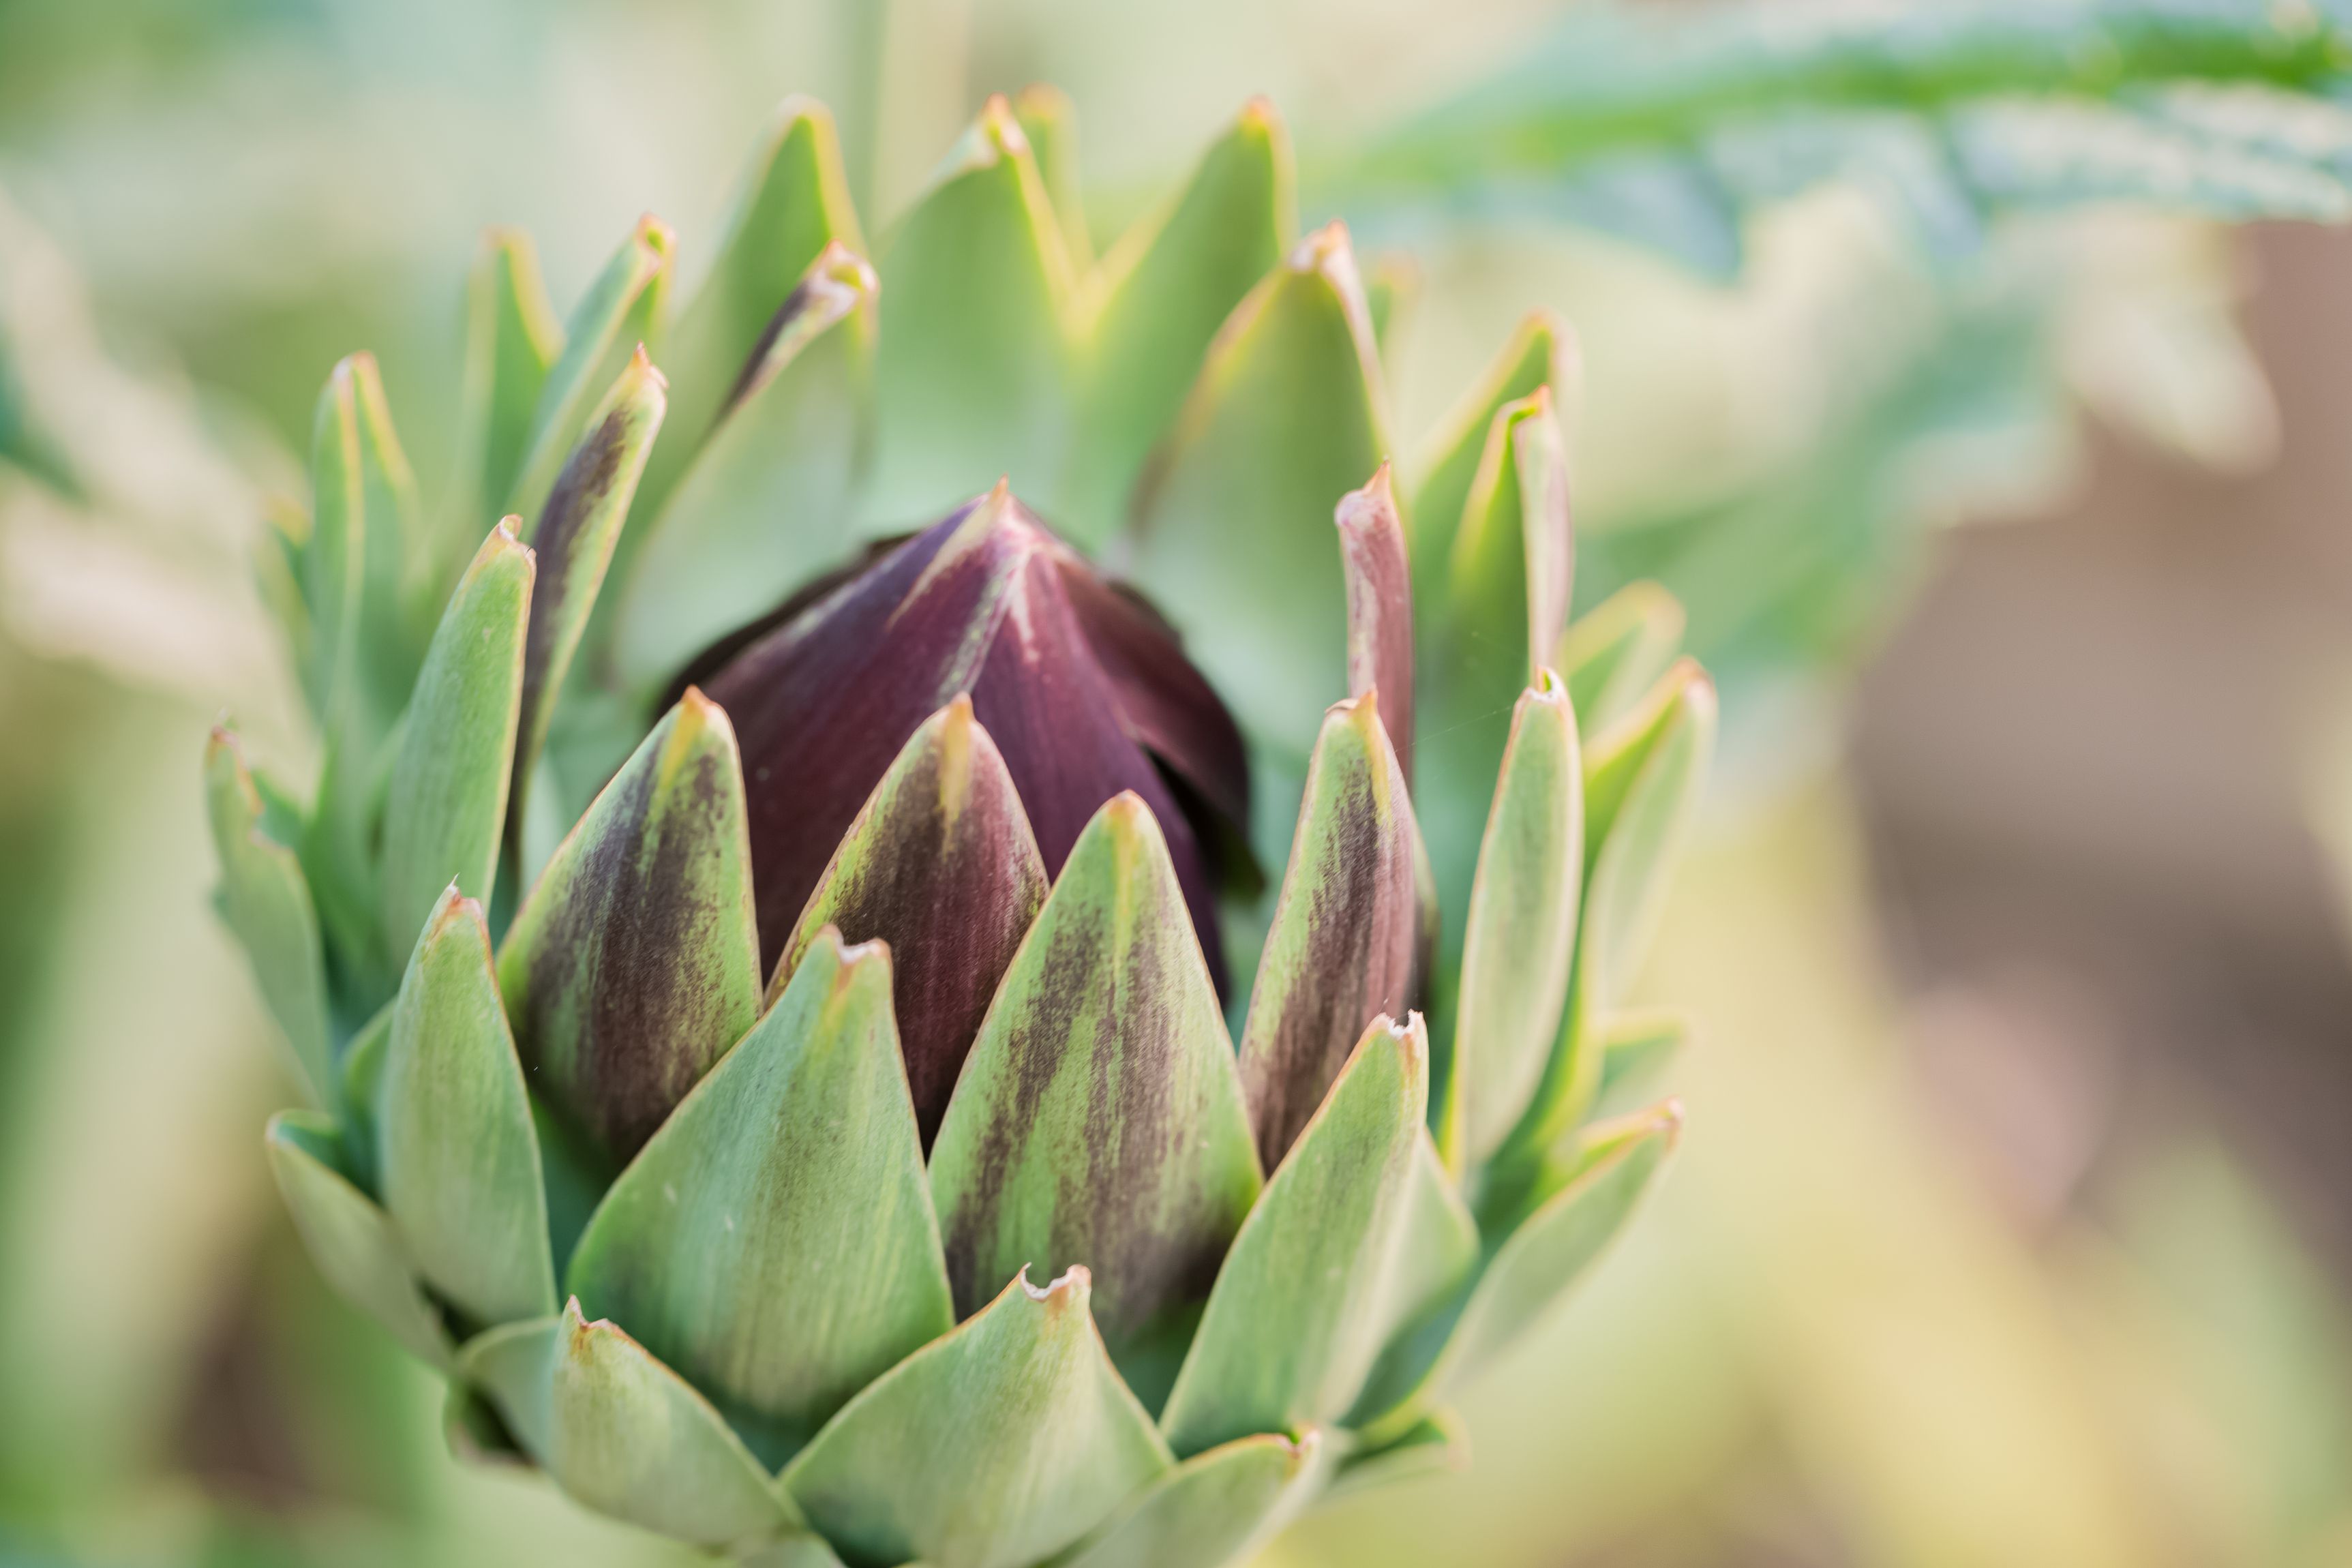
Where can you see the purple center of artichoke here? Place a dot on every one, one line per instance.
(1083, 688)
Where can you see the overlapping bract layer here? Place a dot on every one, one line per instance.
(982, 826)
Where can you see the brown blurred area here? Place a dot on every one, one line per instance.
(2090, 759)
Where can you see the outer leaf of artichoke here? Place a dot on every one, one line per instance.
(1233, 527)
(993, 1446)
(774, 1242)
(625, 1435)
(1293, 1326)
(622, 311)
(1215, 1507)
(635, 962)
(1099, 1118)
(266, 903)
(770, 498)
(1345, 945)
(1156, 302)
(446, 804)
(348, 1236)
(457, 1162)
(1521, 929)
(942, 865)
(974, 371)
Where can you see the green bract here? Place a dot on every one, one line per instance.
(735, 954)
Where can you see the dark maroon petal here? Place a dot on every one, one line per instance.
(975, 604)
(1169, 706)
(1055, 716)
(942, 865)
(1380, 608)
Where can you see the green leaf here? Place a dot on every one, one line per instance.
(996, 1446)
(1642, 785)
(458, 1161)
(1637, 123)
(1540, 353)
(1435, 1445)
(2044, 154)
(338, 855)
(265, 901)
(1099, 1117)
(974, 374)
(1050, 121)
(1520, 934)
(775, 1242)
(349, 1239)
(1346, 943)
(790, 205)
(1614, 652)
(512, 339)
(1152, 308)
(1293, 1323)
(358, 581)
(513, 1366)
(1560, 1239)
(1233, 529)
(635, 962)
(940, 864)
(363, 1076)
(624, 1434)
(1487, 628)
(1438, 1255)
(791, 1551)
(573, 535)
(361, 565)
(1636, 1048)
(1215, 1507)
(1392, 289)
(768, 499)
(1575, 1206)
(446, 802)
(622, 311)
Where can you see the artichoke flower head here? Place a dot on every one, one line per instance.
(881, 973)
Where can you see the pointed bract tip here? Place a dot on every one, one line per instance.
(1361, 710)
(1126, 814)
(839, 264)
(695, 710)
(856, 957)
(1074, 1284)
(1326, 246)
(1258, 113)
(511, 526)
(451, 908)
(795, 106)
(1001, 128)
(1671, 1117)
(655, 235)
(1548, 687)
(641, 364)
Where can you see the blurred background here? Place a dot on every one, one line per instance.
(2013, 1221)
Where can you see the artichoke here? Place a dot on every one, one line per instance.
(737, 948)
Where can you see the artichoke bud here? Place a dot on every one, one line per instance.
(784, 1029)
(1084, 691)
